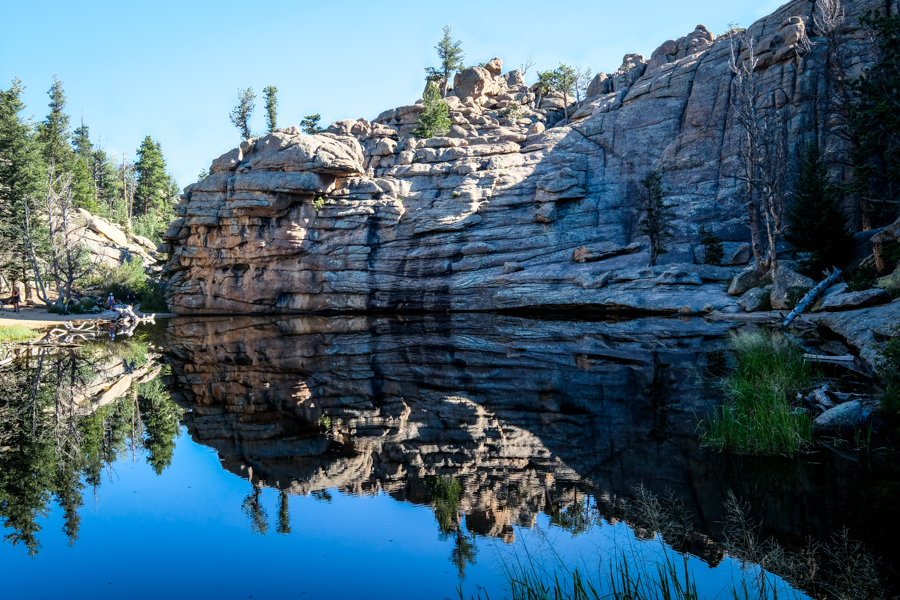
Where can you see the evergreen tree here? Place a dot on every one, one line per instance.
(81, 141)
(876, 126)
(435, 119)
(240, 114)
(562, 79)
(817, 224)
(713, 253)
(271, 107)
(84, 185)
(22, 173)
(310, 124)
(54, 131)
(152, 181)
(451, 55)
(658, 214)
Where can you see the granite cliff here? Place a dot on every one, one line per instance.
(510, 209)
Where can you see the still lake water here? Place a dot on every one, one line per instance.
(391, 457)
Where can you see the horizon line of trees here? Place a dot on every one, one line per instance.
(47, 172)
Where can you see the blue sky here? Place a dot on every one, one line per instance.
(171, 70)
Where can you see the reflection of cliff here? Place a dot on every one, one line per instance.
(524, 413)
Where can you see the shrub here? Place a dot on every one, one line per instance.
(131, 278)
(863, 278)
(888, 368)
(757, 417)
(713, 252)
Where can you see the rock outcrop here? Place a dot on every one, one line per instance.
(495, 214)
(108, 245)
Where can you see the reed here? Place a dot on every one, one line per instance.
(758, 416)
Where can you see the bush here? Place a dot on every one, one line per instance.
(863, 278)
(888, 368)
(757, 417)
(131, 278)
(435, 119)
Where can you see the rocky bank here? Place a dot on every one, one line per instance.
(510, 209)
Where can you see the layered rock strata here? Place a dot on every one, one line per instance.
(511, 209)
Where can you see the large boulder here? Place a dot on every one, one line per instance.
(107, 230)
(494, 66)
(756, 299)
(843, 418)
(855, 300)
(745, 280)
(789, 287)
(474, 82)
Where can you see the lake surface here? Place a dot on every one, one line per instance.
(389, 457)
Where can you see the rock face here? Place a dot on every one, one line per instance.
(110, 246)
(366, 218)
(854, 300)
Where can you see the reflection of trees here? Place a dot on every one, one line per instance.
(51, 445)
(255, 511)
(575, 518)
(446, 495)
(284, 514)
(161, 418)
(464, 551)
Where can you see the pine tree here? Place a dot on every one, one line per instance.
(435, 119)
(310, 124)
(81, 141)
(562, 79)
(152, 181)
(240, 114)
(875, 121)
(713, 252)
(451, 55)
(22, 172)
(271, 107)
(817, 223)
(54, 131)
(658, 215)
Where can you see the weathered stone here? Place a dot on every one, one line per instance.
(473, 83)
(494, 66)
(789, 287)
(843, 418)
(745, 280)
(756, 299)
(108, 230)
(854, 300)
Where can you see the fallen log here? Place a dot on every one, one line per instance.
(811, 296)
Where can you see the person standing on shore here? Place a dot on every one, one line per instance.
(16, 298)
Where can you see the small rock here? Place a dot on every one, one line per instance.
(512, 267)
(593, 281)
(843, 418)
(855, 300)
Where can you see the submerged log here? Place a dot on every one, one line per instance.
(811, 296)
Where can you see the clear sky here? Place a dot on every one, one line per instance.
(171, 69)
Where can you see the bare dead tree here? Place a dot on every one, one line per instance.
(66, 256)
(526, 65)
(582, 81)
(763, 150)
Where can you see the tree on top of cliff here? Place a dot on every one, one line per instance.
(310, 124)
(876, 122)
(451, 54)
(435, 119)
(817, 223)
(271, 107)
(562, 79)
(240, 114)
(658, 215)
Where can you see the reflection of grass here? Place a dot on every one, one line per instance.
(17, 333)
(758, 417)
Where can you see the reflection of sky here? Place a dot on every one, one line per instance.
(183, 535)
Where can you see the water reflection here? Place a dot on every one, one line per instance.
(66, 414)
(492, 420)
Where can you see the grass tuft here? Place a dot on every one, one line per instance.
(17, 333)
(758, 416)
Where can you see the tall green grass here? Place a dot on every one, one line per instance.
(758, 416)
(17, 333)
